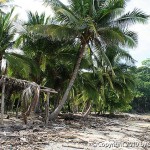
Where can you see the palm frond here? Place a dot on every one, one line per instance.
(131, 39)
(66, 17)
(101, 53)
(20, 64)
(55, 32)
(131, 18)
(7, 31)
(35, 18)
(92, 26)
(116, 54)
(112, 35)
(109, 10)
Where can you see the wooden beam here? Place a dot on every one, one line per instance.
(2, 101)
(48, 90)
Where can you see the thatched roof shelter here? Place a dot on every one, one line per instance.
(29, 90)
(19, 85)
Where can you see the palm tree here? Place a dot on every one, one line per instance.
(33, 46)
(120, 96)
(116, 91)
(12, 62)
(101, 88)
(52, 58)
(10, 58)
(93, 24)
(7, 33)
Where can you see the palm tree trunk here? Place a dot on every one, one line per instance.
(74, 75)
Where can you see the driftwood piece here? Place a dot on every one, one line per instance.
(73, 146)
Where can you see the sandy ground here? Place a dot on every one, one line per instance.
(131, 132)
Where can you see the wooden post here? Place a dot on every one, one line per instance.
(2, 101)
(47, 109)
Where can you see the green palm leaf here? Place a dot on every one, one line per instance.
(130, 18)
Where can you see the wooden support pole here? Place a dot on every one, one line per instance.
(2, 101)
(47, 109)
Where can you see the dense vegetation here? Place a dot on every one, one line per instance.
(81, 53)
(141, 101)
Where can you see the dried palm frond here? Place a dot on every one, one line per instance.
(30, 96)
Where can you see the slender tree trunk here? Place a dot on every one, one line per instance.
(2, 101)
(87, 112)
(47, 109)
(74, 75)
(84, 108)
(17, 108)
(111, 112)
(69, 108)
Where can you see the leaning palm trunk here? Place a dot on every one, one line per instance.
(74, 75)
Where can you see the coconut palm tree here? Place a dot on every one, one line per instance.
(52, 58)
(120, 96)
(116, 91)
(11, 58)
(34, 46)
(101, 88)
(7, 33)
(93, 24)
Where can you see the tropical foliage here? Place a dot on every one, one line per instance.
(141, 102)
(81, 52)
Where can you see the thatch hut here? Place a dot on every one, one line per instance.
(28, 90)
